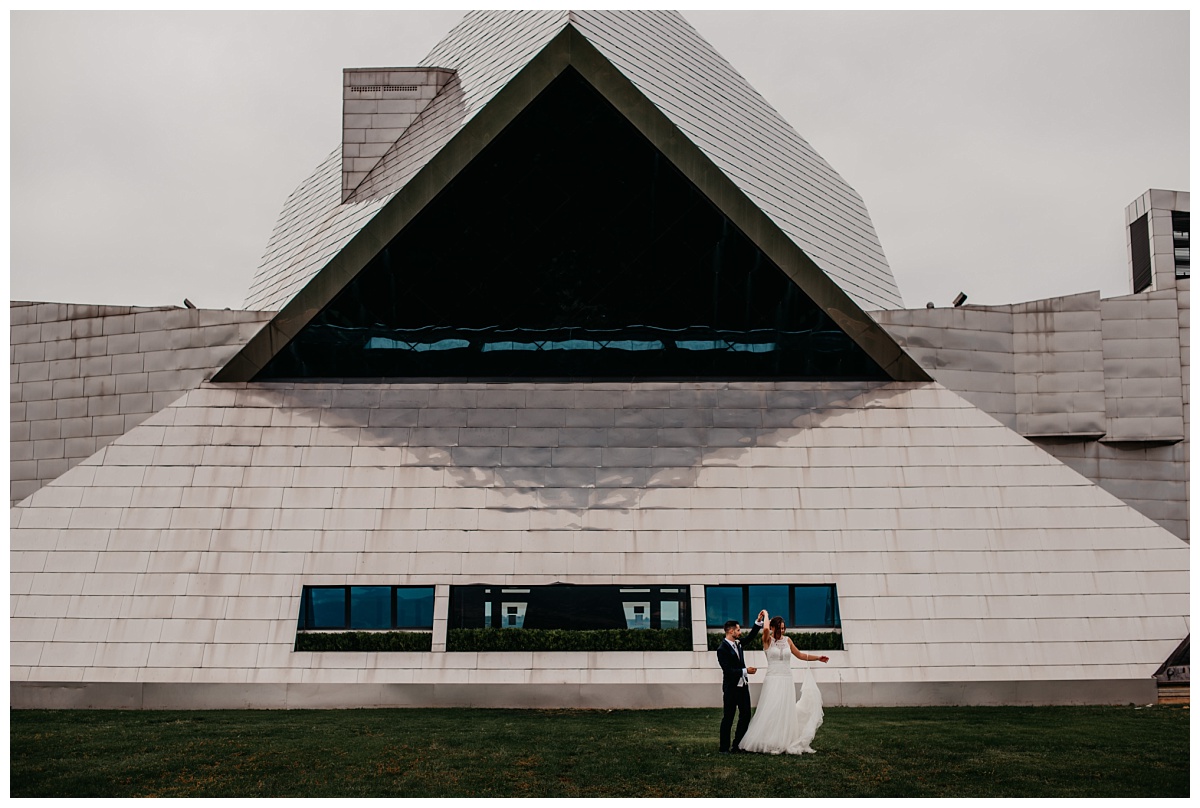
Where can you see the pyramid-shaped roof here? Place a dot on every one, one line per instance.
(707, 119)
(668, 61)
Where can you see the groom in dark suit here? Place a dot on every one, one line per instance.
(735, 683)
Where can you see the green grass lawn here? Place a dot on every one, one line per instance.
(861, 752)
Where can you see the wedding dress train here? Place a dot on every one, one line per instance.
(781, 724)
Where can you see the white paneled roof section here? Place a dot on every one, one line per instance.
(677, 70)
(738, 130)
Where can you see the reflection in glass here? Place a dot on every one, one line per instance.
(637, 615)
(723, 603)
(816, 606)
(570, 247)
(565, 606)
(513, 615)
(773, 598)
(371, 607)
(328, 607)
(810, 606)
(414, 607)
(670, 614)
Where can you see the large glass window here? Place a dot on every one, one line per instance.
(1180, 225)
(724, 603)
(569, 607)
(773, 598)
(815, 606)
(365, 608)
(800, 605)
(414, 606)
(570, 247)
(1139, 252)
(371, 607)
(326, 607)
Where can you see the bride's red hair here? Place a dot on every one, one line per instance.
(776, 627)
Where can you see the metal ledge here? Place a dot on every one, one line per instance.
(1140, 443)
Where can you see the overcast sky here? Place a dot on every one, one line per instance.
(996, 152)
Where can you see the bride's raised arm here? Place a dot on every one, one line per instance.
(798, 655)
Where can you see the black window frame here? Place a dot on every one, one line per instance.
(305, 622)
(1180, 227)
(1139, 254)
(747, 616)
(495, 594)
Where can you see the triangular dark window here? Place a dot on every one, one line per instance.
(571, 248)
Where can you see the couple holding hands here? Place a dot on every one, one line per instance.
(781, 725)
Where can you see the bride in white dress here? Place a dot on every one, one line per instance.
(781, 724)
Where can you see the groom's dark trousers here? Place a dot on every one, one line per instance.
(736, 699)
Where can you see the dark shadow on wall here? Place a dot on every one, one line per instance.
(575, 447)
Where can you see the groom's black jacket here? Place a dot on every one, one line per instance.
(732, 662)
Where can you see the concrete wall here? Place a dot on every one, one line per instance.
(79, 376)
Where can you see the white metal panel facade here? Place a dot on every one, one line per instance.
(677, 70)
(961, 553)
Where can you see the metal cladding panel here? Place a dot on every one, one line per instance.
(677, 70)
(748, 140)
(960, 551)
(486, 50)
(312, 228)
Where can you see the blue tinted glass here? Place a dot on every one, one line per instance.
(380, 343)
(816, 606)
(772, 598)
(510, 346)
(370, 607)
(328, 607)
(669, 614)
(722, 603)
(414, 607)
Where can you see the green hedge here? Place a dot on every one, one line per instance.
(804, 640)
(557, 639)
(364, 641)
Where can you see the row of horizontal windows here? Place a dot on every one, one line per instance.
(812, 606)
(570, 607)
(801, 606)
(377, 343)
(366, 607)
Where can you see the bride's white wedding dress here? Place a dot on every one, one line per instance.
(782, 725)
